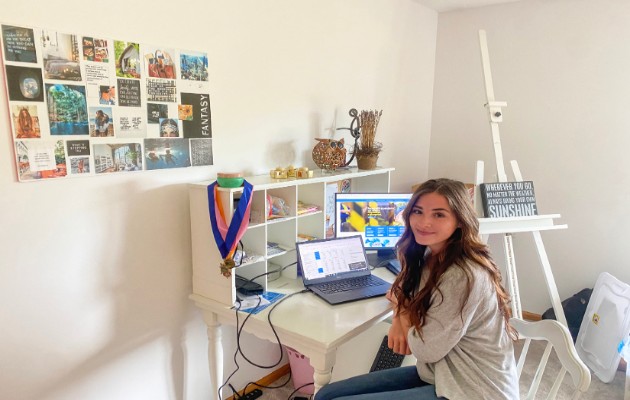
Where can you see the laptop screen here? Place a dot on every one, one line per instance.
(330, 259)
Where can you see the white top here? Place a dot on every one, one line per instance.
(466, 356)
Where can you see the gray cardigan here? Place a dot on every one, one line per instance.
(468, 356)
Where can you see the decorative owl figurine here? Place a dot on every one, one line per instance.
(329, 154)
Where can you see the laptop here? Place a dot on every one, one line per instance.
(337, 270)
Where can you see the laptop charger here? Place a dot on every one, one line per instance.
(247, 287)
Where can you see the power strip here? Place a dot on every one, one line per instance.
(254, 394)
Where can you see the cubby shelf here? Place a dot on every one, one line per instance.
(207, 279)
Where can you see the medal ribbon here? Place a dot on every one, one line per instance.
(227, 237)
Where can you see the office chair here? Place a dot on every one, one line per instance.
(559, 338)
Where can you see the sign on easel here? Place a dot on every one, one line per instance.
(508, 199)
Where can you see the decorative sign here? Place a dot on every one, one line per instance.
(508, 199)
(83, 105)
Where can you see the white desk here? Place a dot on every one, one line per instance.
(316, 329)
(304, 322)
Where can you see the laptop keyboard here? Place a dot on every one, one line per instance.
(349, 284)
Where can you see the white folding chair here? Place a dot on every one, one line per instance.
(558, 338)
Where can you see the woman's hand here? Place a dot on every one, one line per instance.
(392, 299)
(397, 336)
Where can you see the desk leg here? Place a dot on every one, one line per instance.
(322, 365)
(215, 352)
(551, 283)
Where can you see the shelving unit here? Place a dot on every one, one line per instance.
(207, 279)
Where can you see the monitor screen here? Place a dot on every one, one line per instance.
(375, 216)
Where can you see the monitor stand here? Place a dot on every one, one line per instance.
(380, 257)
(384, 258)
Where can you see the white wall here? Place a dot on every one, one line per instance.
(563, 68)
(95, 272)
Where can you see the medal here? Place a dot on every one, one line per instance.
(226, 267)
(227, 237)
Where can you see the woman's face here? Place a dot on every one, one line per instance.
(432, 221)
(168, 131)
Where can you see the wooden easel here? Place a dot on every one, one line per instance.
(508, 226)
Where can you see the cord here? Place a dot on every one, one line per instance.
(237, 350)
(268, 387)
(297, 389)
(240, 329)
(273, 329)
(234, 392)
(240, 261)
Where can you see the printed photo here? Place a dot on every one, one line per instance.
(95, 49)
(24, 84)
(25, 121)
(117, 157)
(155, 112)
(161, 90)
(194, 66)
(131, 123)
(67, 110)
(185, 112)
(19, 44)
(40, 159)
(169, 127)
(199, 125)
(80, 165)
(127, 59)
(88, 48)
(101, 122)
(78, 148)
(107, 95)
(129, 93)
(159, 63)
(201, 152)
(61, 56)
(166, 153)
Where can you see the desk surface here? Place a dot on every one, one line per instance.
(305, 320)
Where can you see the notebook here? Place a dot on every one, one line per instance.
(337, 270)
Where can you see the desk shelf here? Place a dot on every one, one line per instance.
(207, 279)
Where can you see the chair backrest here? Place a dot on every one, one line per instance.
(559, 338)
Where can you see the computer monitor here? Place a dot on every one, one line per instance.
(377, 217)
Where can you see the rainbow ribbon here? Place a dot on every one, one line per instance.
(227, 237)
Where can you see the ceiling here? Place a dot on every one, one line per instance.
(449, 5)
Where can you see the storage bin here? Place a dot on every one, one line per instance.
(301, 371)
(605, 327)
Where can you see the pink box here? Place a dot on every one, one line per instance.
(301, 371)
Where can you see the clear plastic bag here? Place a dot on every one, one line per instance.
(277, 207)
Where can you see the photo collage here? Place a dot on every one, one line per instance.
(83, 105)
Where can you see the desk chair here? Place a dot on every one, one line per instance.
(559, 338)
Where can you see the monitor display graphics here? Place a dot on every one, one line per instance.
(375, 216)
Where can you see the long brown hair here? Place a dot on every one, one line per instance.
(462, 247)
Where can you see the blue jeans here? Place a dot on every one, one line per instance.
(396, 383)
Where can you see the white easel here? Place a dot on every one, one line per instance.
(508, 226)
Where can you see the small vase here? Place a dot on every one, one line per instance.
(367, 161)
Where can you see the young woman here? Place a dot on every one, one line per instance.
(450, 309)
(25, 123)
(101, 123)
